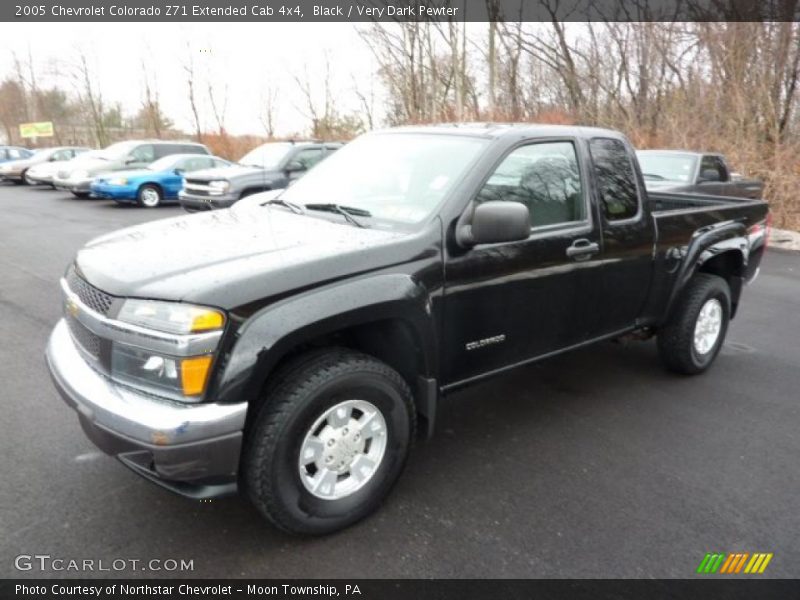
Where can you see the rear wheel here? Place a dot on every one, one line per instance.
(149, 196)
(695, 332)
(329, 441)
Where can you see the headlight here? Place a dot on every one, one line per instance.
(220, 186)
(179, 377)
(118, 181)
(171, 317)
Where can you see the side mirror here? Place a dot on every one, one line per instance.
(179, 171)
(295, 166)
(497, 221)
(130, 160)
(709, 175)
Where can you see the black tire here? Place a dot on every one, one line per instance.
(300, 394)
(81, 195)
(149, 196)
(676, 343)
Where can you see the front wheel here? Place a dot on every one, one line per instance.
(695, 332)
(149, 196)
(81, 195)
(329, 441)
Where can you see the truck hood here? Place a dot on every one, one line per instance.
(232, 172)
(230, 258)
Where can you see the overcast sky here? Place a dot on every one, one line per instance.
(245, 56)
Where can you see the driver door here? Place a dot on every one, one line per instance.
(510, 302)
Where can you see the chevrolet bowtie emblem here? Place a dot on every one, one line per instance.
(72, 307)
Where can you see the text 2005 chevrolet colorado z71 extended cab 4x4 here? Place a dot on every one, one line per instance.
(291, 346)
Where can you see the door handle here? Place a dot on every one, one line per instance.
(582, 249)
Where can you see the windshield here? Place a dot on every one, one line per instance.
(667, 167)
(164, 164)
(116, 151)
(268, 156)
(395, 177)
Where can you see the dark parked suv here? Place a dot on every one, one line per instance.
(272, 166)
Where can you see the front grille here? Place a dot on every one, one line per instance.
(195, 187)
(85, 338)
(93, 298)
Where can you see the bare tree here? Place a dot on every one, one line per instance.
(90, 96)
(269, 110)
(191, 85)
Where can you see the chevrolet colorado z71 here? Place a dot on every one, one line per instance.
(291, 346)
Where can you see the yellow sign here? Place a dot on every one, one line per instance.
(32, 130)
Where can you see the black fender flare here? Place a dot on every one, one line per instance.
(709, 243)
(275, 330)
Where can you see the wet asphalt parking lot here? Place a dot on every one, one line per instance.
(591, 464)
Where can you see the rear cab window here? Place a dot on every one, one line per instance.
(615, 179)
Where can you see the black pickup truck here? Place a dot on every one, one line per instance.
(703, 172)
(292, 346)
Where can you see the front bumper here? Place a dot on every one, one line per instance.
(74, 185)
(36, 178)
(194, 203)
(113, 192)
(191, 449)
(11, 175)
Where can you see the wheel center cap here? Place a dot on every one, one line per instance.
(342, 448)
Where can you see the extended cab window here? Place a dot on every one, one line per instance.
(616, 181)
(544, 177)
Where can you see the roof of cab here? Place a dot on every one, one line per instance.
(498, 130)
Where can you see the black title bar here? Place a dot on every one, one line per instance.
(397, 10)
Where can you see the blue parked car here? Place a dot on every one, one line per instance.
(157, 183)
(14, 153)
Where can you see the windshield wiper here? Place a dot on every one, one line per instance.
(654, 176)
(346, 211)
(295, 208)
